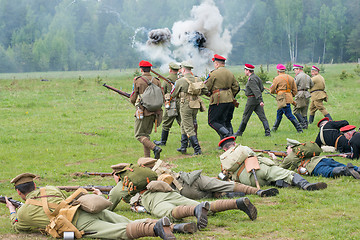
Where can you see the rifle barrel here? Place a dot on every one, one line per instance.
(16, 203)
(125, 94)
(101, 174)
(162, 77)
(277, 153)
(103, 189)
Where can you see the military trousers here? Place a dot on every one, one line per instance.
(253, 106)
(143, 127)
(302, 110)
(220, 115)
(161, 204)
(285, 110)
(318, 105)
(167, 121)
(188, 118)
(204, 187)
(326, 166)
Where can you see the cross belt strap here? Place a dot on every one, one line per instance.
(336, 141)
(242, 167)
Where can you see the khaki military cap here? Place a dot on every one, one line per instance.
(174, 66)
(166, 178)
(118, 167)
(291, 142)
(23, 178)
(147, 162)
(186, 64)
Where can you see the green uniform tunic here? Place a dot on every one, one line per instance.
(302, 98)
(318, 95)
(292, 162)
(188, 115)
(107, 224)
(167, 121)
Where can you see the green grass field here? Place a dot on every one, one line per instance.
(70, 123)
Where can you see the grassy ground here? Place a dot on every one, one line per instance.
(56, 124)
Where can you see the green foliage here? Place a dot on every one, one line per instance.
(263, 75)
(357, 70)
(345, 75)
(289, 66)
(242, 79)
(307, 70)
(136, 73)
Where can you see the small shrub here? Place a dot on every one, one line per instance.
(136, 73)
(345, 75)
(263, 75)
(357, 70)
(289, 66)
(307, 70)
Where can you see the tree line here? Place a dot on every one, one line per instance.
(64, 35)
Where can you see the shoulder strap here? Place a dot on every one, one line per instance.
(322, 135)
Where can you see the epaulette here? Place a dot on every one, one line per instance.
(135, 78)
(212, 70)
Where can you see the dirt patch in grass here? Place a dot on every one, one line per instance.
(32, 236)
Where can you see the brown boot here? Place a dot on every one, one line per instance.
(200, 212)
(149, 228)
(188, 228)
(243, 204)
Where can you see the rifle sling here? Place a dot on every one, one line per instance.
(242, 167)
(336, 141)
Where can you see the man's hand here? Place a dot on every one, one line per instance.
(9, 205)
(272, 155)
(116, 178)
(262, 104)
(96, 191)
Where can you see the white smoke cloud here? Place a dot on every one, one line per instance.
(195, 40)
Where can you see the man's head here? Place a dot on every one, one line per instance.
(314, 70)
(24, 184)
(249, 69)
(280, 68)
(323, 121)
(174, 67)
(297, 68)
(289, 144)
(145, 66)
(348, 131)
(219, 61)
(227, 143)
(186, 67)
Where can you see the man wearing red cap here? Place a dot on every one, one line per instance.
(285, 88)
(302, 98)
(253, 90)
(318, 95)
(144, 124)
(330, 135)
(223, 88)
(354, 140)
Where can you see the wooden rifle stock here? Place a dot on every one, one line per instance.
(16, 203)
(103, 189)
(101, 174)
(277, 153)
(163, 78)
(338, 155)
(122, 93)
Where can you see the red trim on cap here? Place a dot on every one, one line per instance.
(249, 67)
(347, 128)
(218, 57)
(143, 63)
(225, 139)
(324, 119)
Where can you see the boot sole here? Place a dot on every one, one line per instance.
(168, 235)
(317, 186)
(202, 219)
(353, 173)
(270, 192)
(246, 206)
(190, 228)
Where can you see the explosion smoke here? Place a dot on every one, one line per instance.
(159, 36)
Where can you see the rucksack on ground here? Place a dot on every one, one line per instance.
(307, 150)
(152, 98)
(234, 157)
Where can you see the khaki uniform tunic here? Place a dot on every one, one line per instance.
(318, 95)
(302, 98)
(167, 121)
(280, 85)
(292, 162)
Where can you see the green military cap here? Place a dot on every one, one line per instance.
(147, 162)
(291, 142)
(118, 167)
(174, 66)
(186, 64)
(23, 178)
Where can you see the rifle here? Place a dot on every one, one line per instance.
(338, 155)
(16, 203)
(277, 153)
(103, 189)
(101, 174)
(122, 93)
(268, 92)
(163, 78)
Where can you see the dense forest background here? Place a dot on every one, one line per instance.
(64, 35)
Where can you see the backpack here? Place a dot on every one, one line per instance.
(234, 157)
(152, 98)
(135, 178)
(195, 87)
(306, 150)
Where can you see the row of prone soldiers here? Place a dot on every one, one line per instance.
(183, 102)
(171, 196)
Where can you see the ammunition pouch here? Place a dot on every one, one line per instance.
(159, 186)
(60, 224)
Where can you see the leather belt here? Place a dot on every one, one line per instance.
(251, 96)
(316, 90)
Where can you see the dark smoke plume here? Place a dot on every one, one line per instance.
(197, 39)
(159, 36)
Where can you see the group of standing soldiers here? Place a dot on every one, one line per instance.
(183, 103)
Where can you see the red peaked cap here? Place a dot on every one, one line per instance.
(249, 67)
(226, 140)
(218, 57)
(324, 119)
(143, 63)
(315, 68)
(347, 128)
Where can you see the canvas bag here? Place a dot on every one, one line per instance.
(234, 157)
(152, 98)
(307, 150)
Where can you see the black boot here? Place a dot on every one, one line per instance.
(311, 119)
(276, 125)
(164, 137)
(280, 184)
(328, 116)
(200, 212)
(268, 192)
(246, 206)
(267, 129)
(157, 150)
(306, 122)
(305, 185)
(240, 131)
(296, 125)
(234, 194)
(351, 171)
(224, 132)
(188, 228)
(301, 120)
(195, 144)
(162, 229)
(184, 143)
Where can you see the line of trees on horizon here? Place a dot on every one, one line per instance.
(69, 35)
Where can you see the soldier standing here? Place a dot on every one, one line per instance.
(223, 88)
(285, 88)
(302, 98)
(318, 95)
(253, 90)
(145, 119)
(170, 113)
(189, 106)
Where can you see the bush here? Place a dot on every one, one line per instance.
(263, 75)
(307, 70)
(357, 70)
(289, 66)
(345, 75)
